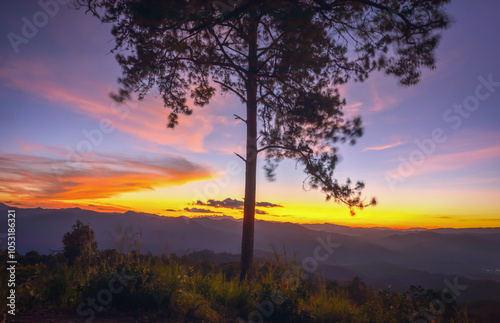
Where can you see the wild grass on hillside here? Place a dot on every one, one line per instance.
(184, 290)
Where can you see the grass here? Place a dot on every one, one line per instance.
(179, 289)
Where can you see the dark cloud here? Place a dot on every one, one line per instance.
(267, 204)
(227, 203)
(171, 210)
(260, 211)
(230, 203)
(196, 210)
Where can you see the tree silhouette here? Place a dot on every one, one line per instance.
(79, 243)
(284, 59)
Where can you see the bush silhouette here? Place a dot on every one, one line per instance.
(79, 243)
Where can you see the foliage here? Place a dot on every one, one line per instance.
(182, 290)
(79, 243)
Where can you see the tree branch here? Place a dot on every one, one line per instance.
(241, 157)
(233, 14)
(238, 117)
(221, 47)
(232, 90)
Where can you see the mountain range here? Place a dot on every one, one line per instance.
(379, 256)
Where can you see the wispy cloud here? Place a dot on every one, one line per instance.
(32, 179)
(352, 110)
(459, 160)
(145, 120)
(454, 161)
(197, 210)
(478, 180)
(381, 103)
(462, 218)
(108, 207)
(384, 147)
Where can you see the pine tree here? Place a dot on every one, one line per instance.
(284, 59)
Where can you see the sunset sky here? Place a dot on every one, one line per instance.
(430, 153)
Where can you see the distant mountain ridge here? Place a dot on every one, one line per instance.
(378, 255)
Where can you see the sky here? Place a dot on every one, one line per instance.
(430, 153)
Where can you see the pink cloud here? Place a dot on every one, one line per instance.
(479, 180)
(145, 120)
(27, 148)
(453, 161)
(352, 110)
(384, 147)
(381, 103)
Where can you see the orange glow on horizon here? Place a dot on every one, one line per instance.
(362, 219)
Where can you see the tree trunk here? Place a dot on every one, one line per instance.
(247, 240)
(249, 205)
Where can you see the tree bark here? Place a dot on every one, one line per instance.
(247, 240)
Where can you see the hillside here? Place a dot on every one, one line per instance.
(380, 256)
